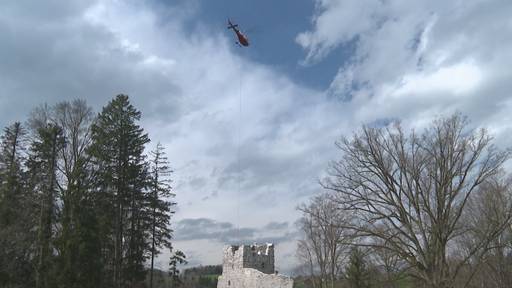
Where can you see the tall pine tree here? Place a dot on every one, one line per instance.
(43, 170)
(15, 222)
(160, 204)
(10, 172)
(121, 181)
(177, 258)
(85, 208)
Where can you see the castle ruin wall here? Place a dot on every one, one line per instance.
(251, 266)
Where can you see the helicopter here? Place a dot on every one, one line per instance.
(242, 39)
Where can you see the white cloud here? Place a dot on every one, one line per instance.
(459, 79)
(336, 22)
(203, 141)
(187, 83)
(413, 60)
(416, 60)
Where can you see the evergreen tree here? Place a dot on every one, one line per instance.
(10, 172)
(43, 169)
(15, 222)
(85, 209)
(357, 274)
(177, 258)
(160, 204)
(121, 181)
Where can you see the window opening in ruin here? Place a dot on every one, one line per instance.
(229, 282)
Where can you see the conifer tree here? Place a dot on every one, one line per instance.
(15, 222)
(85, 208)
(357, 274)
(177, 258)
(10, 172)
(121, 181)
(43, 168)
(160, 204)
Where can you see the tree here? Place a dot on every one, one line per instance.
(11, 159)
(177, 258)
(77, 240)
(357, 274)
(159, 204)
(324, 242)
(15, 221)
(43, 169)
(392, 267)
(409, 192)
(84, 207)
(121, 181)
(486, 210)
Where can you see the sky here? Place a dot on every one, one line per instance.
(250, 131)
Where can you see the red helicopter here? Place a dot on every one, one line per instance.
(242, 39)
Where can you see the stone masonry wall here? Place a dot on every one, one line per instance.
(259, 257)
(251, 267)
(251, 278)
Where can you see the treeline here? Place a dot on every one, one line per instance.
(430, 209)
(202, 270)
(195, 277)
(81, 202)
(202, 276)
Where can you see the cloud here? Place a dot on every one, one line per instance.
(227, 232)
(417, 60)
(187, 86)
(203, 228)
(56, 53)
(187, 81)
(276, 225)
(251, 167)
(336, 22)
(211, 235)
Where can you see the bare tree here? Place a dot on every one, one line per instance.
(391, 266)
(486, 210)
(407, 193)
(323, 247)
(74, 168)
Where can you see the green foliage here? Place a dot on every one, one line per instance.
(16, 236)
(201, 276)
(78, 238)
(122, 178)
(177, 258)
(357, 273)
(159, 204)
(85, 208)
(10, 173)
(43, 166)
(208, 281)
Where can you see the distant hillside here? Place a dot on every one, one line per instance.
(161, 279)
(202, 276)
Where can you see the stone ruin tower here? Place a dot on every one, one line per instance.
(251, 266)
